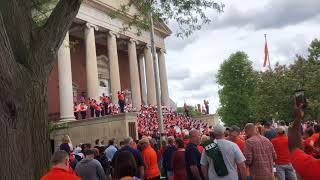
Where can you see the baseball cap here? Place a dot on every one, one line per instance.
(219, 129)
(234, 128)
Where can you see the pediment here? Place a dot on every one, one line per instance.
(113, 5)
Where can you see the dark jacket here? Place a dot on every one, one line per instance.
(167, 157)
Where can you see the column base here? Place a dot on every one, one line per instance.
(67, 119)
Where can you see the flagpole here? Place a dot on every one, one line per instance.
(265, 38)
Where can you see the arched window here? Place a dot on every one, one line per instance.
(104, 87)
(75, 89)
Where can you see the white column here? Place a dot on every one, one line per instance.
(143, 79)
(151, 86)
(114, 66)
(65, 81)
(165, 99)
(134, 74)
(91, 62)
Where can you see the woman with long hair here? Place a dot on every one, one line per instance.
(125, 167)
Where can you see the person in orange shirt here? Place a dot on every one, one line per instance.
(76, 110)
(206, 104)
(314, 143)
(60, 168)
(150, 160)
(306, 165)
(83, 110)
(284, 169)
(307, 135)
(234, 136)
(122, 101)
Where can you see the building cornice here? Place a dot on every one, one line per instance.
(164, 30)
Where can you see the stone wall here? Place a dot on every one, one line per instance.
(88, 130)
(211, 119)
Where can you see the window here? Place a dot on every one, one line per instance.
(75, 89)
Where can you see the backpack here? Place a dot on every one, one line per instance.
(212, 151)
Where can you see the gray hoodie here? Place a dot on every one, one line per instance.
(90, 169)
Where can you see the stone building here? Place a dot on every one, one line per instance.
(98, 56)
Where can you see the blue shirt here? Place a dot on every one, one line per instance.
(110, 151)
(193, 157)
(270, 133)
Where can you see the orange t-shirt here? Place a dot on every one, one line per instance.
(61, 174)
(151, 161)
(240, 144)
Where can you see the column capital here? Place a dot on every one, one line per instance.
(131, 40)
(161, 50)
(112, 33)
(148, 46)
(89, 25)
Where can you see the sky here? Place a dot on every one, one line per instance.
(193, 63)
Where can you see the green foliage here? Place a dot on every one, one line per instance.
(237, 79)
(314, 50)
(56, 126)
(188, 14)
(272, 93)
(42, 10)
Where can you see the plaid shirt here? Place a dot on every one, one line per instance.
(260, 155)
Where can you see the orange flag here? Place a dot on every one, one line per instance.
(266, 52)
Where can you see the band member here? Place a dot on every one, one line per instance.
(121, 98)
(83, 110)
(91, 104)
(76, 110)
(206, 104)
(186, 109)
(102, 108)
(107, 101)
(97, 108)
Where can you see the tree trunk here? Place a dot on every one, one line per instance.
(24, 124)
(26, 58)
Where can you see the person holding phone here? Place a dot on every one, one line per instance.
(305, 165)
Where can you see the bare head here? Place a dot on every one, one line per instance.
(144, 142)
(61, 159)
(250, 129)
(128, 142)
(195, 137)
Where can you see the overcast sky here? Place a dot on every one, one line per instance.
(192, 63)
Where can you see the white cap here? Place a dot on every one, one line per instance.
(219, 129)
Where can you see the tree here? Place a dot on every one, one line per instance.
(31, 31)
(314, 50)
(237, 79)
(273, 95)
(275, 89)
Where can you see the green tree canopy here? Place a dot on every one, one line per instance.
(31, 32)
(237, 80)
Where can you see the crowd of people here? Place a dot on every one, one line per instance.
(174, 124)
(262, 151)
(89, 107)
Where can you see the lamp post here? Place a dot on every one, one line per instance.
(156, 75)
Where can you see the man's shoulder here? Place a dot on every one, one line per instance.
(225, 142)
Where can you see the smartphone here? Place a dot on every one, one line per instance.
(300, 98)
